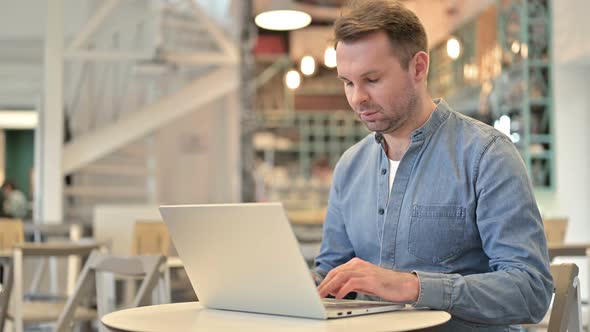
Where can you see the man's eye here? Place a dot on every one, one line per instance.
(373, 81)
(348, 83)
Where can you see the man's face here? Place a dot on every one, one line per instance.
(378, 89)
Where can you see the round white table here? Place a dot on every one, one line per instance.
(191, 316)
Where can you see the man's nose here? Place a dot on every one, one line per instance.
(359, 96)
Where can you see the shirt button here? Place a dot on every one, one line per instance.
(381, 211)
(383, 171)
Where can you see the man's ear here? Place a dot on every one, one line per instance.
(419, 66)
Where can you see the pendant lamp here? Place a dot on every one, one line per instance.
(282, 15)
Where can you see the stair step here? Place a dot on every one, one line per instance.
(110, 192)
(112, 169)
(134, 150)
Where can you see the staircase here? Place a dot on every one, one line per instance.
(138, 66)
(127, 176)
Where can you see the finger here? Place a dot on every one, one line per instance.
(330, 276)
(329, 286)
(347, 287)
(333, 285)
(327, 279)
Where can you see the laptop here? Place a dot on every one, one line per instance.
(245, 257)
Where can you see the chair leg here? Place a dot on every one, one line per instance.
(17, 291)
(105, 292)
(575, 315)
(8, 326)
(588, 291)
(54, 273)
(73, 267)
(5, 292)
(130, 290)
(167, 286)
(162, 292)
(73, 261)
(85, 283)
(38, 275)
(148, 284)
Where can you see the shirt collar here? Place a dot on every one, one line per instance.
(439, 115)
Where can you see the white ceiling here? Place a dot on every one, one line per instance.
(440, 18)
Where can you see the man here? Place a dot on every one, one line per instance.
(435, 208)
(15, 203)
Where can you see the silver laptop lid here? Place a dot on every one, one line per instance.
(243, 257)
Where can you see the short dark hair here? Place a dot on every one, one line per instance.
(403, 28)
(9, 184)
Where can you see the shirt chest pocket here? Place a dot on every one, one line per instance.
(436, 232)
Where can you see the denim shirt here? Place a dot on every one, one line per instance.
(461, 215)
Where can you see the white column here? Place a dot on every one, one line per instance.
(49, 142)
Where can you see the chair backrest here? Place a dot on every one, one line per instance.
(11, 233)
(555, 229)
(150, 238)
(566, 302)
(146, 266)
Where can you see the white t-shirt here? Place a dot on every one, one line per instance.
(393, 165)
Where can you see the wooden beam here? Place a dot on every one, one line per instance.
(200, 58)
(93, 23)
(107, 56)
(94, 145)
(226, 44)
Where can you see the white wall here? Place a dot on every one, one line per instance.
(571, 118)
(572, 31)
(198, 156)
(572, 146)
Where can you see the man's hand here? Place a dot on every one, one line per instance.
(358, 275)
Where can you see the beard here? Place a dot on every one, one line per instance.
(394, 118)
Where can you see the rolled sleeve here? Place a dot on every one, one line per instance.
(436, 290)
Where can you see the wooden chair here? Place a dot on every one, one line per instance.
(11, 233)
(23, 312)
(150, 238)
(5, 288)
(94, 276)
(555, 230)
(565, 312)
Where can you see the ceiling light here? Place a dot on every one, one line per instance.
(330, 57)
(282, 15)
(515, 47)
(293, 79)
(453, 48)
(524, 51)
(307, 65)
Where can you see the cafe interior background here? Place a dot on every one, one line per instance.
(109, 108)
